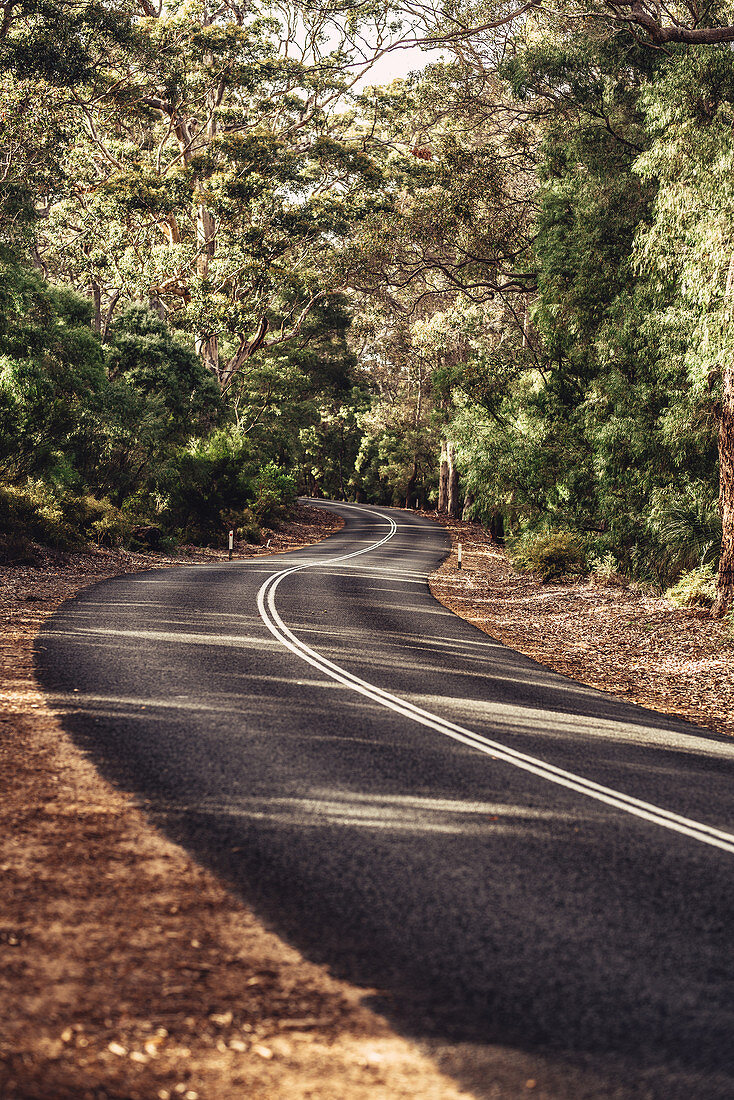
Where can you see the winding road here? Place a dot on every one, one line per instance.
(509, 858)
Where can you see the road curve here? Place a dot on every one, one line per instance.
(510, 858)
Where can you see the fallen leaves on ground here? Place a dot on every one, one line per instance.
(614, 638)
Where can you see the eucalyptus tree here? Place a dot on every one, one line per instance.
(690, 243)
(454, 235)
(48, 50)
(688, 250)
(397, 461)
(213, 174)
(460, 165)
(470, 26)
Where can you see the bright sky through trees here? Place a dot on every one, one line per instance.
(399, 63)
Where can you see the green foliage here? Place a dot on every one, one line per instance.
(24, 518)
(605, 571)
(275, 181)
(144, 353)
(538, 257)
(51, 375)
(687, 526)
(207, 486)
(686, 249)
(329, 447)
(91, 437)
(58, 43)
(604, 430)
(158, 395)
(35, 513)
(550, 554)
(696, 588)
(246, 527)
(273, 494)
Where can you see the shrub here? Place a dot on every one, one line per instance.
(243, 523)
(274, 494)
(696, 588)
(104, 523)
(36, 513)
(550, 554)
(687, 527)
(249, 529)
(15, 539)
(605, 571)
(206, 483)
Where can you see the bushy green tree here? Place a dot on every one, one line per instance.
(688, 253)
(52, 376)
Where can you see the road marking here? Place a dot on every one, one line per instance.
(705, 834)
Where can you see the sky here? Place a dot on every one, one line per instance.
(398, 63)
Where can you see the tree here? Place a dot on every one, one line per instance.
(397, 458)
(622, 405)
(471, 28)
(51, 376)
(49, 49)
(689, 247)
(217, 182)
(460, 171)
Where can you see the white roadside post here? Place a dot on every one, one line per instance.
(231, 544)
(459, 555)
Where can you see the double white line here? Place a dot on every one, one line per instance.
(705, 834)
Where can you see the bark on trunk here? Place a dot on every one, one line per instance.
(96, 291)
(208, 348)
(453, 504)
(468, 501)
(411, 484)
(107, 319)
(157, 306)
(101, 321)
(725, 581)
(497, 528)
(443, 478)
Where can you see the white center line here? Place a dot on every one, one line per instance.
(697, 830)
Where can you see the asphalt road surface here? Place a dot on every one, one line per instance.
(509, 858)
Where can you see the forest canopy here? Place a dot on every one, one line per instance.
(233, 270)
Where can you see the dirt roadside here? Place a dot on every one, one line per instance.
(126, 971)
(609, 636)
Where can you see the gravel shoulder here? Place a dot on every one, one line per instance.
(126, 971)
(635, 646)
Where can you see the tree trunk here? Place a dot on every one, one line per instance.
(443, 478)
(453, 505)
(96, 292)
(106, 321)
(725, 581)
(468, 501)
(156, 305)
(411, 483)
(208, 348)
(497, 528)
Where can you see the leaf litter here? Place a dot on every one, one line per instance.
(618, 639)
